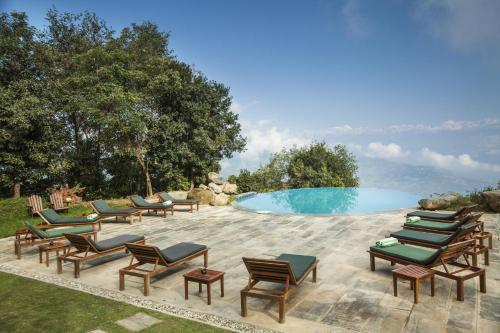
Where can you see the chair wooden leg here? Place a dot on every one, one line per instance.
(482, 282)
(372, 262)
(77, 269)
(17, 248)
(395, 284)
(243, 304)
(474, 259)
(147, 282)
(433, 284)
(281, 301)
(487, 257)
(205, 259)
(314, 273)
(415, 291)
(122, 280)
(460, 290)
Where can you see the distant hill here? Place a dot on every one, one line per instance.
(422, 180)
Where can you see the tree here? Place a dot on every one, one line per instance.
(30, 140)
(316, 165)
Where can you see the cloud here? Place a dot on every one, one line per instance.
(357, 24)
(379, 150)
(263, 138)
(451, 162)
(239, 108)
(465, 25)
(449, 125)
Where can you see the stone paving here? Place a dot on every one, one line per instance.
(348, 297)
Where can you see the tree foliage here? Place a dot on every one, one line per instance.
(114, 112)
(316, 165)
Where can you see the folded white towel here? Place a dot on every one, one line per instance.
(167, 203)
(92, 216)
(412, 219)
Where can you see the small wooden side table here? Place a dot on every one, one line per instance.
(415, 274)
(208, 278)
(51, 247)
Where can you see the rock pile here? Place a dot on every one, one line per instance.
(492, 198)
(439, 202)
(216, 193)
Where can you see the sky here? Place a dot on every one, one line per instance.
(409, 82)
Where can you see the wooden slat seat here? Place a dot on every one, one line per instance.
(162, 260)
(437, 259)
(87, 249)
(290, 270)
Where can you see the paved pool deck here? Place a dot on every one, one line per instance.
(347, 297)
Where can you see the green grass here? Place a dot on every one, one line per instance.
(13, 213)
(32, 306)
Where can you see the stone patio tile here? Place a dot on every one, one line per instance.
(490, 308)
(138, 322)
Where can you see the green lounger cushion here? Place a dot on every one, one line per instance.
(103, 208)
(424, 237)
(53, 218)
(443, 226)
(167, 197)
(410, 253)
(141, 202)
(50, 215)
(299, 264)
(441, 216)
(58, 232)
(114, 242)
(180, 251)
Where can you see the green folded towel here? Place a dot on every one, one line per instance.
(412, 219)
(386, 242)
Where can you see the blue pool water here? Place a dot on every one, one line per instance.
(328, 201)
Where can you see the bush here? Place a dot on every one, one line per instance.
(316, 165)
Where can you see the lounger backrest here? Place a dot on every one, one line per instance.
(35, 203)
(452, 252)
(465, 231)
(39, 232)
(101, 206)
(146, 254)
(81, 243)
(164, 196)
(49, 215)
(56, 200)
(269, 270)
(464, 211)
(138, 200)
(471, 218)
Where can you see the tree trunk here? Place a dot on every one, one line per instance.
(149, 187)
(17, 190)
(192, 181)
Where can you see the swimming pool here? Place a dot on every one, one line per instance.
(328, 201)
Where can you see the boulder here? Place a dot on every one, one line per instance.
(439, 202)
(215, 178)
(204, 196)
(214, 187)
(204, 187)
(492, 198)
(220, 199)
(229, 188)
(178, 194)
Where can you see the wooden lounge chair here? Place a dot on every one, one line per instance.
(444, 227)
(435, 240)
(36, 235)
(104, 210)
(57, 203)
(140, 203)
(34, 204)
(450, 217)
(164, 196)
(87, 249)
(436, 258)
(290, 270)
(49, 216)
(162, 260)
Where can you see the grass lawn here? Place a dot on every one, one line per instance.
(13, 213)
(33, 306)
